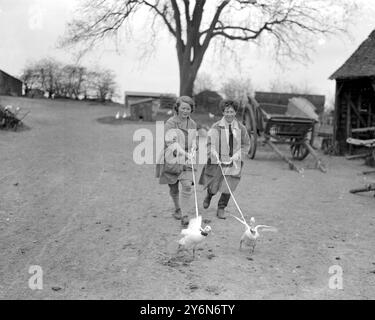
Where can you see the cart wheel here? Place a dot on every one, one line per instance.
(298, 150)
(249, 121)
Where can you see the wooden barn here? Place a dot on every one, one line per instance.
(354, 115)
(10, 86)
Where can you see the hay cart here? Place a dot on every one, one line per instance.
(270, 123)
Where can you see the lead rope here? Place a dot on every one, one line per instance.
(230, 191)
(193, 152)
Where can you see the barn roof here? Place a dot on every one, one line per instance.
(7, 74)
(361, 63)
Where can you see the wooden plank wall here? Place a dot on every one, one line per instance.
(354, 108)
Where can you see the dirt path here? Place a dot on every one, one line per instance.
(73, 202)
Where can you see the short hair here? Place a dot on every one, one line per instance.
(185, 99)
(228, 103)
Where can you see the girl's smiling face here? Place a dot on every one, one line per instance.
(184, 110)
(229, 114)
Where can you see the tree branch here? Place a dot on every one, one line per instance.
(163, 15)
(209, 32)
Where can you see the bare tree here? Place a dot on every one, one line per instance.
(102, 82)
(29, 78)
(69, 81)
(289, 24)
(43, 75)
(72, 81)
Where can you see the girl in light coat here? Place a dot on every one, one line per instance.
(227, 140)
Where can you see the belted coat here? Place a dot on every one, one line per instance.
(172, 165)
(218, 141)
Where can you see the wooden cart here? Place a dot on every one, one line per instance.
(270, 123)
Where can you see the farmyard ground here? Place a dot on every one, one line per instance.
(73, 202)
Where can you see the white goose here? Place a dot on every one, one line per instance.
(251, 233)
(193, 234)
(118, 115)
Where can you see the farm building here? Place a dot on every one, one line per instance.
(145, 105)
(166, 100)
(354, 114)
(35, 93)
(145, 110)
(10, 86)
(208, 101)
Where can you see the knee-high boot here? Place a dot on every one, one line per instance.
(222, 204)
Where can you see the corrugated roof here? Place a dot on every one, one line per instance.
(361, 63)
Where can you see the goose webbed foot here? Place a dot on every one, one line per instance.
(253, 247)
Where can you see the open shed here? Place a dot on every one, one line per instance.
(142, 110)
(354, 114)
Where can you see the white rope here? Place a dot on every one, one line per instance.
(230, 191)
(193, 152)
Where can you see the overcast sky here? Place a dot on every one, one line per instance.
(29, 30)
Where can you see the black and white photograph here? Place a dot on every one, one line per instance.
(200, 151)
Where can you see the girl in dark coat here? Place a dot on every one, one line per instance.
(180, 137)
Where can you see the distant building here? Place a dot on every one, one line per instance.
(166, 100)
(10, 86)
(142, 110)
(35, 93)
(208, 101)
(355, 96)
(145, 105)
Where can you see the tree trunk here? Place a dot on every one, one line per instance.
(190, 54)
(186, 83)
(188, 74)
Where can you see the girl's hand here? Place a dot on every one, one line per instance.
(236, 157)
(215, 155)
